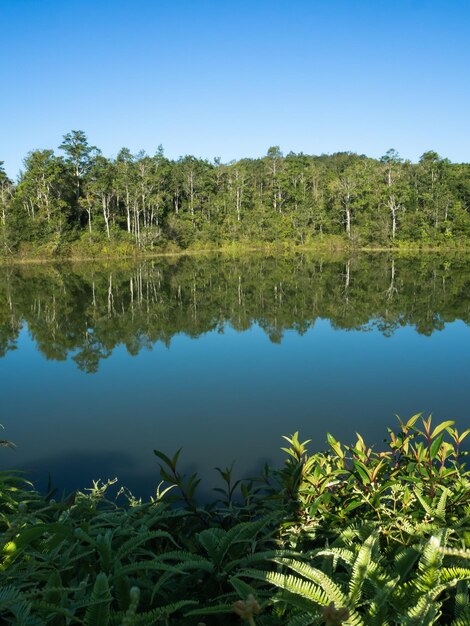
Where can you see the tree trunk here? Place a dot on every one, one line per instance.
(106, 214)
(128, 211)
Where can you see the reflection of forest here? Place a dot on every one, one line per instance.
(89, 309)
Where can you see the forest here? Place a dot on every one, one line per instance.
(81, 203)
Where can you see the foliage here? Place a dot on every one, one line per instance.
(344, 536)
(155, 203)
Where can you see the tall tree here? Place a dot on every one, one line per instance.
(79, 155)
(43, 192)
(101, 189)
(395, 191)
(434, 194)
(125, 182)
(6, 193)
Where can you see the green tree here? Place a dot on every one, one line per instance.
(79, 156)
(434, 196)
(6, 193)
(43, 193)
(394, 192)
(101, 190)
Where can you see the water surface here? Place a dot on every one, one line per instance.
(102, 363)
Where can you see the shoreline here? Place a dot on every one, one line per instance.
(272, 250)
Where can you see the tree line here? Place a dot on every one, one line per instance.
(80, 197)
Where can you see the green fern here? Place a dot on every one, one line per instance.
(360, 569)
(333, 591)
(210, 540)
(131, 545)
(305, 619)
(8, 594)
(293, 584)
(149, 618)
(463, 618)
(97, 613)
(462, 598)
(449, 574)
(430, 563)
(421, 612)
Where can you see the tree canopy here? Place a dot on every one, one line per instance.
(154, 202)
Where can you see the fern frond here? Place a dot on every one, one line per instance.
(217, 542)
(463, 619)
(360, 569)
(429, 563)
(210, 540)
(293, 600)
(421, 612)
(8, 594)
(133, 543)
(22, 613)
(462, 597)
(181, 556)
(441, 505)
(241, 533)
(52, 609)
(267, 555)
(242, 588)
(334, 592)
(433, 511)
(216, 609)
(291, 583)
(164, 612)
(304, 619)
(455, 573)
(156, 566)
(97, 613)
(383, 586)
(405, 561)
(342, 553)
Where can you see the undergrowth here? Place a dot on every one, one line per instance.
(343, 536)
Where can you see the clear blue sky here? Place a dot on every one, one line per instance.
(231, 78)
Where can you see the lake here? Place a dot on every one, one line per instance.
(100, 363)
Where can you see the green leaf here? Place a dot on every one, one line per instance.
(363, 471)
(436, 444)
(164, 458)
(440, 427)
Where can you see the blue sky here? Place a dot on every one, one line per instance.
(230, 78)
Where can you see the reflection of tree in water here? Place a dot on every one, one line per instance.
(91, 353)
(86, 310)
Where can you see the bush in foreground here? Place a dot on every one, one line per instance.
(344, 536)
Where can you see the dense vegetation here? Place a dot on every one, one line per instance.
(81, 203)
(344, 536)
(86, 310)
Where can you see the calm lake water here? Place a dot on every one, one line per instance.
(102, 363)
